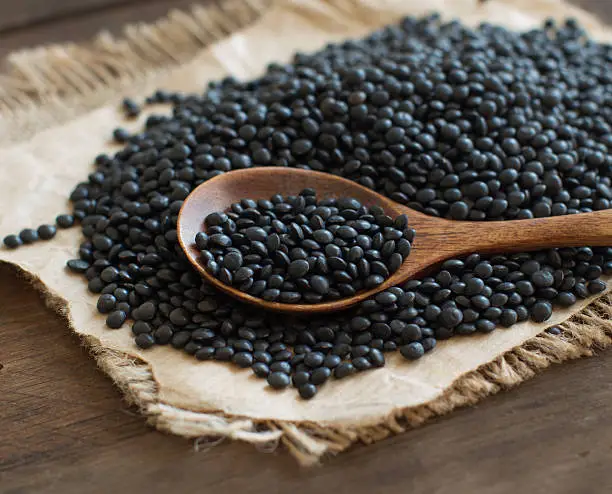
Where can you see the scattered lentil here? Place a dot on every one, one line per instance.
(46, 232)
(130, 108)
(12, 241)
(65, 221)
(28, 236)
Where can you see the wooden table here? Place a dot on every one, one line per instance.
(64, 428)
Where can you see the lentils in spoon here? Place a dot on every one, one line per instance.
(298, 249)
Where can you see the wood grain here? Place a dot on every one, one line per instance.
(80, 27)
(436, 240)
(28, 12)
(601, 8)
(64, 428)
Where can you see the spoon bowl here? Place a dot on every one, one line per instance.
(436, 239)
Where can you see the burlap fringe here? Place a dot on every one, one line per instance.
(69, 79)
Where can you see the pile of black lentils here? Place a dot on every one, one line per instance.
(469, 124)
(298, 249)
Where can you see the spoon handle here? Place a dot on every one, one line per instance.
(576, 230)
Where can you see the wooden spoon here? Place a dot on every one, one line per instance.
(436, 239)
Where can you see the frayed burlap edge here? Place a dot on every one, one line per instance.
(308, 442)
(50, 85)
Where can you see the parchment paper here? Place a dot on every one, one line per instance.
(39, 174)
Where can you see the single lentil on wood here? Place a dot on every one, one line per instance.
(298, 249)
(468, 124)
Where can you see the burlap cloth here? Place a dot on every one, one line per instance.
(58, 107)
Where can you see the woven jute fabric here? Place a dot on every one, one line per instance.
(58, 106)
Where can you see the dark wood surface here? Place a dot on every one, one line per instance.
(64, 428)
(16, 14)
(75, 24)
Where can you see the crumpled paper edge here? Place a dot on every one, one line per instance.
(72, 77)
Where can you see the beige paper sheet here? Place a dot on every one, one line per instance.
(38, 175)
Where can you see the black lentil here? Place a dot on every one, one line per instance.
(65, 220)
(596, 286)
(106, 303)
(307, 391)
(320, 375)
(78, 265)
(130, 108)
(116, 319)
(145, 340)
(413, 350)
(278, 380)
(46, 232)
(12, 241)
(28, 236)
